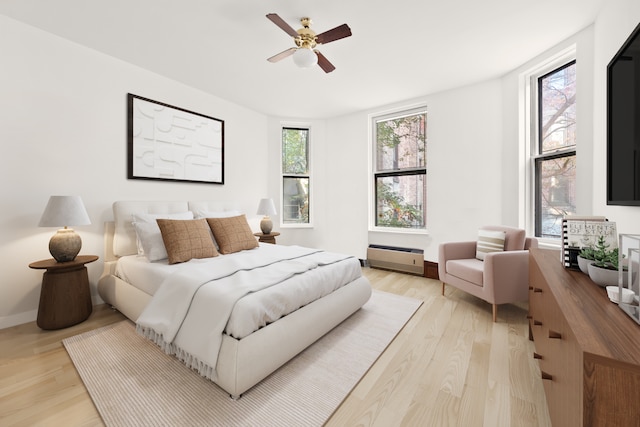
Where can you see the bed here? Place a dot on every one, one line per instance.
(246, 354)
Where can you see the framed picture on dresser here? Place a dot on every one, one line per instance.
(168, 143)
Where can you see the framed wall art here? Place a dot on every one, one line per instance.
(173, 144)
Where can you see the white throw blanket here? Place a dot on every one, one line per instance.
(187, 315)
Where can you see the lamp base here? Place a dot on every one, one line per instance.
(65, 245)
(266, 225)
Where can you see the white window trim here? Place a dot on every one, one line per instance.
(399, 111)
(528, 131)
(303, 125)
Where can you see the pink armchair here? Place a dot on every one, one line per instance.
(503, 277)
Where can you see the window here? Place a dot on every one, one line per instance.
(554, 153)
(295, 175)
(399, 170)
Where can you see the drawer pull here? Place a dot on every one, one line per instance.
(536, 356)
(537, 290)
(530, 288)
(529, 316)
(554, 334)
(537, 322)
(546, 376)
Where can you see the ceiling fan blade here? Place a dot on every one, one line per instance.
(337, 33)
(324, 63)
(273, 17)
(277, 57)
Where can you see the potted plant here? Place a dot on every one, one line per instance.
(604, 268)
(585, 257)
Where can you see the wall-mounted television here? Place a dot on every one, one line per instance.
(623, 124)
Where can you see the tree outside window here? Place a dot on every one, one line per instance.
(400, 170)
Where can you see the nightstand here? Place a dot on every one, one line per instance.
(65, 297)
(267, 238)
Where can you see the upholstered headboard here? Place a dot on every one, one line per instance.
(124, 238)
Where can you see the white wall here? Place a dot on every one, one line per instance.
(464, 169)
(615, 23)
(64, 119)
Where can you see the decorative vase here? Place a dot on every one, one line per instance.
(583, 263)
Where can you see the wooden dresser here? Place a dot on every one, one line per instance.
(588, 349)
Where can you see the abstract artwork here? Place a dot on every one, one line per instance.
(173, 144)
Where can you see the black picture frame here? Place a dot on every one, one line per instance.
(169, 143)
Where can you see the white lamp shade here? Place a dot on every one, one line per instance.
(305, 57)
(62, 211)
(267, 207)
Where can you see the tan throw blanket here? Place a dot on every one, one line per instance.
(188, 314)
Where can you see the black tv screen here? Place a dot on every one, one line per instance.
(623, 124)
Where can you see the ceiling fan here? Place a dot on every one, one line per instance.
(305, 54)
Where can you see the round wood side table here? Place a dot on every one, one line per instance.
(267, 238)
(65, 297)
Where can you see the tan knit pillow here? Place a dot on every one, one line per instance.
(186, 239)
(232, 234)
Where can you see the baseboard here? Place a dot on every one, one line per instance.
(18, 319)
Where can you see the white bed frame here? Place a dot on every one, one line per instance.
(241, 363)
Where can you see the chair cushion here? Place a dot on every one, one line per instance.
(489, 241)
(469, 270)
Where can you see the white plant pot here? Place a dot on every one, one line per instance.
(605, 277)
(583, 263)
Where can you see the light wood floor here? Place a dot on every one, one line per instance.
(450, 365)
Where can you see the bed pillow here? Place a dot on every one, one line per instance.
(150, 241)
(186, 239)
(232, 234)
(201, 213)
(489, 241)
(148, 237)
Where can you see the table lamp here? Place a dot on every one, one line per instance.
(63, 211)
(266, 208)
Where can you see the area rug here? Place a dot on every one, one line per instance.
(133, 383)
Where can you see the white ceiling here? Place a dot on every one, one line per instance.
(399, 50)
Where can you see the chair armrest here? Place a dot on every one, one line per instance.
(506, 275)
(456, 250)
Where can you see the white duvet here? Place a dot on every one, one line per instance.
(192, 308)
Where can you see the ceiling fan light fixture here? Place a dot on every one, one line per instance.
(305, 57)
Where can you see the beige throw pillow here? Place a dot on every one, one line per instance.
(232, 234)
(489, 241)
(186, 239)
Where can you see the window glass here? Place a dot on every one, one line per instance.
(295, 176)
(295, 151)
(558, 109)
(400, 170)
(295, 193)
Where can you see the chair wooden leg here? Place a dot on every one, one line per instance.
(442, 288)
(495, 313)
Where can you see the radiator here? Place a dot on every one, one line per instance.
(406, 260)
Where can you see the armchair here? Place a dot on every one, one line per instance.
(501, 278)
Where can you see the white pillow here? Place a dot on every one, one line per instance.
(148, 236)
(489, 241)
(200, 213)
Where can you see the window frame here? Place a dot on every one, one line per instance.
(308, 175)
(532, 145)
(375, 174)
